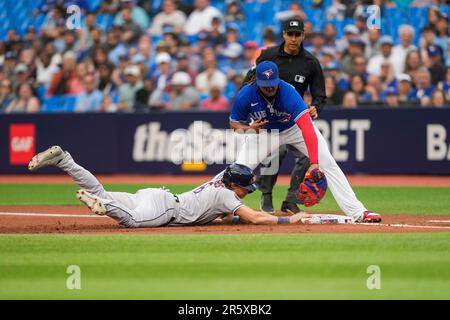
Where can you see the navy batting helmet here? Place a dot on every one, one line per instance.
(240, 175)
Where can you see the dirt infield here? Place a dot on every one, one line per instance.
(78, 220)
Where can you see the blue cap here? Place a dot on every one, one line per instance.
(433, 50)
(267, 74)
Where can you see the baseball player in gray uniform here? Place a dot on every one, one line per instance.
(156, 207)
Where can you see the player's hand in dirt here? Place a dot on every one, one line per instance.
(296, 218)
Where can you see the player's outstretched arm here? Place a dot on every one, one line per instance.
(257, 217)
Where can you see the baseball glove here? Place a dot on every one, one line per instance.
(313, 188)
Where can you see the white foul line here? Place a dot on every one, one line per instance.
(439, 221)
(25, 214)
(403, 226)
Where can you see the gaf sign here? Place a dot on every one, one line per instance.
(21, 143)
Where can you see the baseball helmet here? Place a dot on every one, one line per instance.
(240, 175)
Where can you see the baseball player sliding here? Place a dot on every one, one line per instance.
(156, 207)
(274, 104)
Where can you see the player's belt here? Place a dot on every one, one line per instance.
(176, 198)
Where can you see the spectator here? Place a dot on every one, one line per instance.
(127, 91)
(170, 15)
(216, 36)
(350, 100)
(45, 70)
(350, 33)
(65, 81)
(328, 57)
(405, 92)
(216, 101)
(70, 43)
(424, 86)
(10, 64)
(105, 84)
(269, 40)
(374, 88)
(374, 65)
(334, 94)
(91, 99)
(6, 94)
(131, 31)
(435, 66)
(250, 48)
(200, 19)
(445, 85)
(438, 99)
(387, 75)
(25, 101)
(108, 105)
(433, 18)
(413, 63)
(318, 43)
(114, 46)
(443, 34)
(357, 86)
(144, 51)
(183, 64)
(211, 76)
(355, 49)
(138, 15)
(233, 12)
(163, 73)
(427, 38)
(329, 32)
(406, 34)
(182, 96)
(361, 67)
(373, 43)
(143, 101)
(295, 11)
(336, 11)
(233, 63)
(22, 75)
(232, 34)
(391, 98)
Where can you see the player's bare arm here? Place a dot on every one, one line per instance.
(249, 215)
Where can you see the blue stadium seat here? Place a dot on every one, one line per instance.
(59, 104)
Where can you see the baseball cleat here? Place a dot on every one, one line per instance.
(94, 203)
(50, 157)
(289, 207)
(266, 204)
(370, 217)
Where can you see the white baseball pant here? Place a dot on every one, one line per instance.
(151, 207)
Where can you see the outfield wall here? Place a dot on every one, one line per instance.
(408, 141)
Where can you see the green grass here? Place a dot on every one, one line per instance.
(272, 266)
(294, 266)
(411, 200)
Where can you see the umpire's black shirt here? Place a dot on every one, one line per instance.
(301, 70)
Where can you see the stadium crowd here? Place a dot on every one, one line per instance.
(127, 57)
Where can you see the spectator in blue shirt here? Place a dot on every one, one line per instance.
(91, 99)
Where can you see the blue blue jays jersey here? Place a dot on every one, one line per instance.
(287, 107)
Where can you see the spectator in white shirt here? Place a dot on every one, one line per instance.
(374, 65)
(211, 76)
(170, 15)
(45, 70)
(200, 19)
(406, 34)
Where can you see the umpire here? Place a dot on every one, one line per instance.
(302, 70)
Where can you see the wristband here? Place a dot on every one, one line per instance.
(283, 220)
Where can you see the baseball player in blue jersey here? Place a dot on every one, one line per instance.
(273, 104)
(217, 199)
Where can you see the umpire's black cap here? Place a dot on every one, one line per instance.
(293, 25)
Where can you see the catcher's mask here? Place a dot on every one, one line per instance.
(240, 175)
